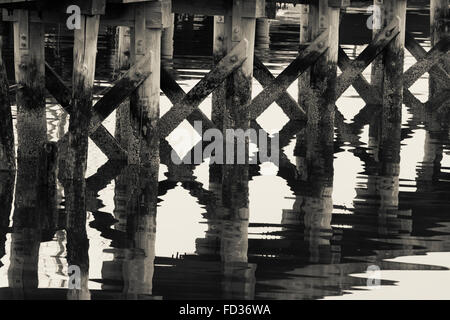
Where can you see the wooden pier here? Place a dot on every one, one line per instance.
(139, 145)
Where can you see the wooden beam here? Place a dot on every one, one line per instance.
(419, 53)
(101, 137)
(205, 87)
(285, 101)
(273, 91)
(432, 57)
(175, 94)
(357, 66)
(121, 90)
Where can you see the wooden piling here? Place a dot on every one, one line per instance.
(7, 152)
(220, 40)
(123, 56)
(440, 28)
(305, 37)
(145, 101)
(167, 45)
(47, 187)
(29, 65)
(262, 39)
(378, 21)
(393, 61)
(321, 105)
(85, 50)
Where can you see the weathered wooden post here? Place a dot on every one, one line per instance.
(84, 52)
(305, 37)
(321, 104)
(317, 93)
(262, 33)
(7, 152)
(167, 43)
(234, 245)
(378, 20)
(387, 76)
(123, 124)
(440, 28)
(29, 71)
(303, 85)
(146, 37)
(221, 35)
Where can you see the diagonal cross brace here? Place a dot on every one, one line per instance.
(292, 109)
(62, 94)
(122, 89)
(181, 110)
(419, 53)
(277, 87)
(175, 94)
(357, 66)
(426, 62)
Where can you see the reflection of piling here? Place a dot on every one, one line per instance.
(47, 187)
(145, 100)
(35, 216)
(26, 238)
(136, 203)
(393, 59)
(7, 180)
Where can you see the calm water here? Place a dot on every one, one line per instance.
(262, 234)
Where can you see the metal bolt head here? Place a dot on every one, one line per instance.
(388, 33)
(320, 45)
(233, 59)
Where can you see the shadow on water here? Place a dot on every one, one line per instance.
(291, 234)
